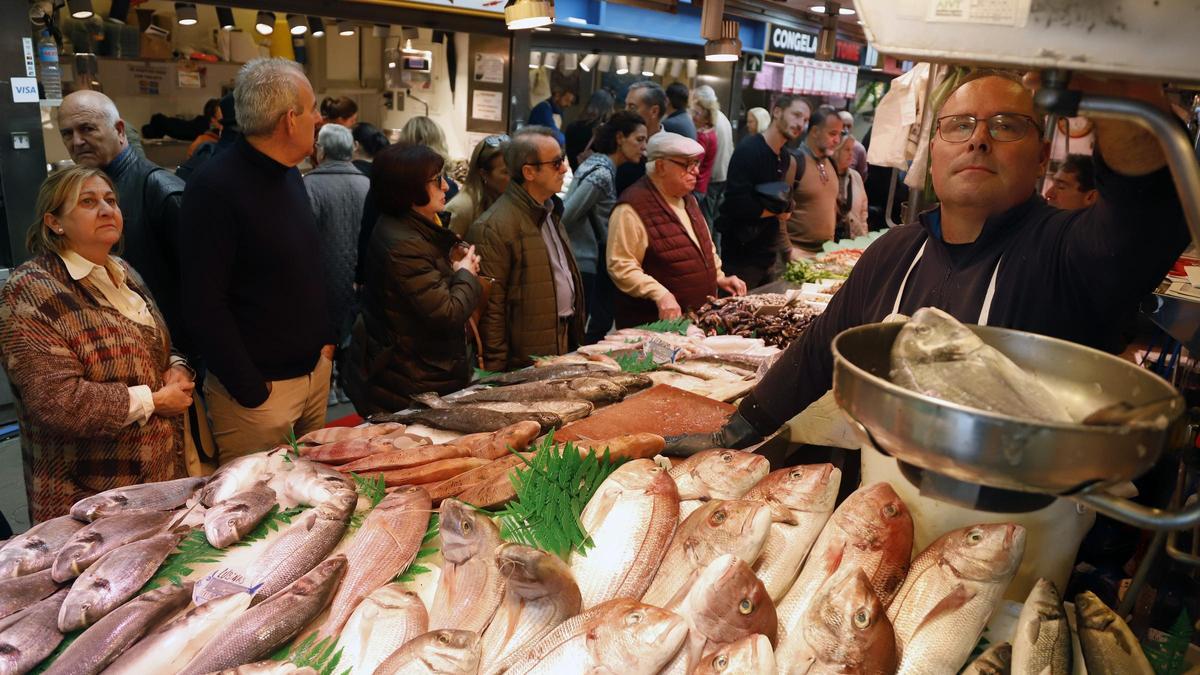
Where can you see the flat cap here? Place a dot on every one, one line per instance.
(669, 144)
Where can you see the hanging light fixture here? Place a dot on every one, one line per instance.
(535, 60)
(648, 66)
(676, 67)
(82, 9)
(660, 66)
(606, 63)
(345, 28)
(525, 14)
(827, 38)
(316, 26)
(265, 23)
(635, 64)
(225, 18)
(693, 67)
(296, 24)
(570, 62)
(726, 48)
(185, 14)
(622, 64)
(550, 60)
(588, 62)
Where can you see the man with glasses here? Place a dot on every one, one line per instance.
(660, 255)
(535, 307)
(994, 252)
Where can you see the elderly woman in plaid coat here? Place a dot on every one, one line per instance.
(99, 395)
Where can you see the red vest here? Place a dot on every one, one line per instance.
(671, 257)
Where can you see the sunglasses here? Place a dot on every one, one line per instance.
(1003, 127)
(555, 163)
(496, 141)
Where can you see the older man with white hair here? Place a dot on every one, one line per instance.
(149, 196)
(253, 279)
(660, 255)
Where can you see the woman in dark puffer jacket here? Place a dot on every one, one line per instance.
(411, 336)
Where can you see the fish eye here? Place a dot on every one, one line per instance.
(974, 537)
(466, 526)
(746, 606)
(891, 510)
(861, 619)
(443, 638)
(719, 516)
(634, 618)
(794, 474)
(720, 662)
(727, 457)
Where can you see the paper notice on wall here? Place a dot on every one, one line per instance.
(190, 78)
(489, 68)
(487, 106)
(810, 76)
(148, 77)
(789, 79)
(1002, 12)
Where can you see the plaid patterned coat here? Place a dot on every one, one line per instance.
(71, 361)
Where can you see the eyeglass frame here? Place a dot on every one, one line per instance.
(496, 140)
(557, 162)
(991, 134)
(692, 166)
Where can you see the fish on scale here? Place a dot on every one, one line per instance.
(801, 499)
(716, 474)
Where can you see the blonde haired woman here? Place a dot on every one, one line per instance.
(99, 395)
(487, 179)
(704, 115)
(424, 131)
(757, 120)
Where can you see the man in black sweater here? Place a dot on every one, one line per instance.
(252, 276)
(994, 252)
(749, 225)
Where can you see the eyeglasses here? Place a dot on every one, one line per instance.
(436, 180)
(496, 141)
(690, 166)
(555, 163)
(1004, 127)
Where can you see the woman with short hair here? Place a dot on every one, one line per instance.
(411, 336)
(487, 179)
(589, 203)
(99, 395)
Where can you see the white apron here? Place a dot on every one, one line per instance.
(1053, 534)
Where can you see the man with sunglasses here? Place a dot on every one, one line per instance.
(993, 252)
(535, 306)
(660, 255)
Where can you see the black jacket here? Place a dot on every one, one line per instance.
(747, 237)
(411, 335)
(1074, 275)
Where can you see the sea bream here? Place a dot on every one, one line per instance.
(720, 527)
(1042, 641)
(751, 655)
(229, 521)
(25, 642)
(262, 629)
(1109, 647)
(104, 641)
(90, 543)
(17, 593)
(383, 547)
(871, 530)
(306, 542)
(951, 591)
(995, 660)
(237, 475)
(384, 621)
(716, 474)
(338, 434)
(114, 578)
(630, 520)
(167, 650)
(441, 652)
(801, 499)
(936, 355)
(470, 586)
(539, 594)
(34, 550)
(162, 496)
(847, 630)
(618, 636)
(306, 482)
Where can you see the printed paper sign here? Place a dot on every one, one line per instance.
(24, 90)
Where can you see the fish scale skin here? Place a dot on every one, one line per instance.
(18, 593)
(808, 497)
(538, 595)
(113, 579)
(997, 660)
(161, 496)
(87, 545)
(26, 642)
(1042, 641)
(227, 522)
(383, 622)
(1109, 648)
(303, 545)
(167, 650)
(34, 550)
(470, 587)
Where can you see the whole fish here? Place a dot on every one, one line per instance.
(235, 476)
(386, 543)
(736, 527)
(469, 419)
(568, 410)
(801, 499)
(630, 520)
(846, 630)
(470, 587)
(229, 521)
(621, 635)
(306, 542)
(18, 593)
(727, 603)
(307, 482)
(555, 372)
(1042, 642)
(162, 496)
(751, 655)
(384, 621)
(936, 355)
(630, 383)
(90, 543)
(269, 667)
(716, 474)
(1108, 645)
(445, 652)
(262, 629)
(539, 594)
(113, 579)
(871, 530)
(167, 650)
(575, 357)
(353, 449)
(105, 640)
(996, 660)
(950, 593)
(595, 389)
(34, 550)
(24, 643)
(336, 434)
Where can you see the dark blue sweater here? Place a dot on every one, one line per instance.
(252, 276)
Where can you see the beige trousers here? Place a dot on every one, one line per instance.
(296, 404)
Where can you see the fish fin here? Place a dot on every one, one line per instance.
(430, 400)
(950, 603)
(1122, 639)
(1032, 629)
(781, 513)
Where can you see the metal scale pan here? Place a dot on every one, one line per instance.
(977, 447)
